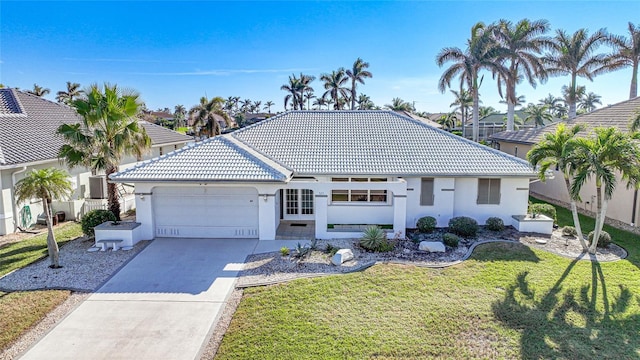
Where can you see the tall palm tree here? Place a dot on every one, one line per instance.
(357, 74)
(486, 111)
(108, 131)
(482, 52)
(39, 90)
(607, 154)
(67, 97)
(463, 103)
(589, 101)
(204, 115)
(554, 151)
(524, 42)
(319, 102)
(538, 114)
(179, 113)
(397, 104)
(47, 185)
(268, 105)
(365, 103)
(627, 53)
(293, 88)
(551, 102)
(308, 95)
(256, 106)
(245, 106)
(575, 55)
(334, 84)
(448, 120)
(520, 100)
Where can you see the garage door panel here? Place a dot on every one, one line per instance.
(206, 212)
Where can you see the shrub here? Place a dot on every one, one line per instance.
(331, 250)
(284, 251)
(603, 241)
(495, 224)
(544, 209)
(94, 218)
(301, 251)
(569, 231)
(451, 240)
(463, 226)
(426, 224)
(375, 239)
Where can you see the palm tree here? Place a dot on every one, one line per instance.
(463, 103)
(179, 113)
(268, 105)
(108, 131)
(245, 107)
(334, 84)
(538, 114)
(575, 56)
(551, 102)
(357, 74)
(39, 90)
(256, 106)
(308, 95)
(319, 102)
(554, 151)
(365, 103)
(204, 115)
(627, 54)
(520, 100)
(588, 102)
(398, 104)
(524, 42)
(448, 121)
(634, 125)
(294, 87)
(486, 111)
(481, 53)
(67, 97)
(47, 185)
(607, 154)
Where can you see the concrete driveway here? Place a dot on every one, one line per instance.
(161, 305)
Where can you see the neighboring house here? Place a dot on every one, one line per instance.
(427, 121)
(495, 123)
(28, 140)
(329, 170)
(624, 204)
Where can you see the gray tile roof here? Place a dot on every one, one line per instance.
(28, 127)
(161, 135)
(618, 115)
(372, 142)
(214, 159)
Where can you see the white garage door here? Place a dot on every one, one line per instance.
(206, 212)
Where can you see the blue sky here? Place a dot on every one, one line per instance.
(176, 52)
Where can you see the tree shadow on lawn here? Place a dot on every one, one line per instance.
(569, 324)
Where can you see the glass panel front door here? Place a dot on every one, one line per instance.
(298, 204)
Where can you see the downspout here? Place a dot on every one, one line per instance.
(16, 211)
(634, 209)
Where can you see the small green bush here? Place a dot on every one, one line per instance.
(544, 209)
(284, 251)
(331, 250)
(569, 231)
(375, 239)
(495, 224)
(94, 218)
(301, 251)
(463, 226)
(603, 241)
(426, 224)
(451, 240)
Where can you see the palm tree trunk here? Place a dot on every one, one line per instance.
(576, 218)
(511, 107)
(52, 245)
(476, 109)
(599, 220)
(572, 98)
(112, 194)
(633, 92)
(353, 94)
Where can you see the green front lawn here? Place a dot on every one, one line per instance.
(507, 301)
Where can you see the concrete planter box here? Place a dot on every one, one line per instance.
(127, 231)
(540, 224)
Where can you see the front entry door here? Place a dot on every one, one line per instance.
(298, 204)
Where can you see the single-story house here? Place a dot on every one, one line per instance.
(624, 203)
(28, 140)
(330, 170)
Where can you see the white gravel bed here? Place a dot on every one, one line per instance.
(81, 270)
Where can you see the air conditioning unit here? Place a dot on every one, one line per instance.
(98, 187)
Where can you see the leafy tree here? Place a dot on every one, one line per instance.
(365, 103)
(108, 131)
(334, 84)
(357, 74)
(486, 111)
(204, 115)
(179, 114)
(398, 104)
(538, 114)
(524, 42)
(627, 54)
(319, 102)
(574, 55)
(588, 102)
(482, 52)
(45, 184)
(67, 97)
(554, 151)
(268, 105)
(448, 120)
(463, 103)
(603, 156)
(39, 90)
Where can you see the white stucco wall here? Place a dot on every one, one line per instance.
(443, 201)
(514, 196)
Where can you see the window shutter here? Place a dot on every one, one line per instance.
(483, 191)
(494, 191)
(426, 192)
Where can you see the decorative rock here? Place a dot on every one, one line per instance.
(541, 241)
(342, 256)
(431, 246)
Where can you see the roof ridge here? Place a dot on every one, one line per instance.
(244, 150)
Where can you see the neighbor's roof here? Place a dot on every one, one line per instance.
(162, 136)
(214, 159)
(425, 120)
(28, 127)
(618, 115)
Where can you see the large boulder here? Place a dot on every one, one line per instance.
(342, 256)
(431, 246)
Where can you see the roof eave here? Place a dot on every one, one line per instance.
(198, 181)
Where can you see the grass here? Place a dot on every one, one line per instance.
(507, 301)
(21, 310)
(23, 253)
(182, 130)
